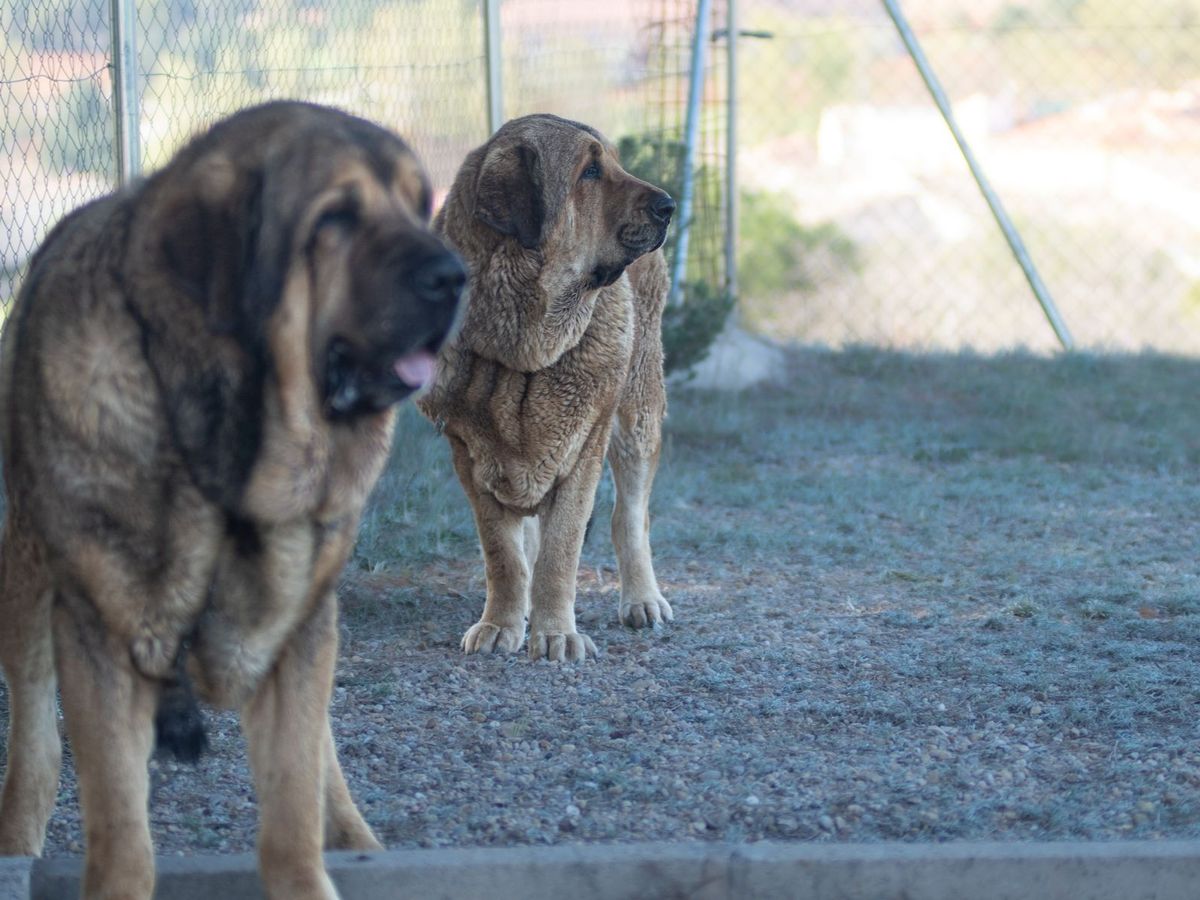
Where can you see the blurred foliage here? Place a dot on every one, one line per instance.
(775, 247)
(409, 64)
(811, 61)
(690, 327)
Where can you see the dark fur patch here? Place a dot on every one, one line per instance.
(247, 541)
(509, 194)
(179, 723)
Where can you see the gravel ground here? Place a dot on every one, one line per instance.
(915, 601)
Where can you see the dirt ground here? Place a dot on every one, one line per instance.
(917, 598)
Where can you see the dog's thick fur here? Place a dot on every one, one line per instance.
(560, 350)
(198, 389)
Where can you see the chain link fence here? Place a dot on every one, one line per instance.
(56, 136)
(417, 66)
(861, 223)
(623, 66)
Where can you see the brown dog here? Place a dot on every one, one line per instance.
(560, 349)
(198, 390)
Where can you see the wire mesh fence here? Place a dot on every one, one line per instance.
(861, 223)
(414, 66)
(56, 136)
(417, 66)
(858, 220)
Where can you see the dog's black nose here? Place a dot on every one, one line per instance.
(662, 208)
(440, 279)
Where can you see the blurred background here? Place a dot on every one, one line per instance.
(857, 219)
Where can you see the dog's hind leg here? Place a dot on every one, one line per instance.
(345, 828)
(642, 604)
(109, 710)
(633, 454)
(634, 449)
(27, 657)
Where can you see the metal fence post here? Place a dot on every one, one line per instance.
(126, 99)
(695, 97)
(494, 61)
(993, 201)
(732, 35)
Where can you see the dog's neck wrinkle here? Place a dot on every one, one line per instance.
(533, 315)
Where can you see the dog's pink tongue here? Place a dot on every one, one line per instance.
(416, 369)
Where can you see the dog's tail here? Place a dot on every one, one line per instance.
(179, 723)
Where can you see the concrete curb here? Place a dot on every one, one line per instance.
(15, 877)
(1167, 870)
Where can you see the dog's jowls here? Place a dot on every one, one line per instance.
(559, 361)
(198, 390)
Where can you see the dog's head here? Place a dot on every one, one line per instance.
(557, 186)
(303, 234)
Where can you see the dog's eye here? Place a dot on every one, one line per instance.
(591, 173)
(334, 223)
(342, 217)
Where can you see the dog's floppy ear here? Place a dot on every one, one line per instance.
(509, 193)
(224, 248)
(201, 237)
(223, 242)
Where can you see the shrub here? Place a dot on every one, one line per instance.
(775, 247)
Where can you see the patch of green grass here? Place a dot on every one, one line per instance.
(1138, 410)
(418, 511)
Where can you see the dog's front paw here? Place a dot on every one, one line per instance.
(559, 646)
(484, 637)
(645, 612)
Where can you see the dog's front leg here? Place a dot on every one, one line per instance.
(502, 625)
(285, 726)
(563, 519)
(109, 710)
(501, 536)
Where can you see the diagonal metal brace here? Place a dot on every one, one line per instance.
(993, 201)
